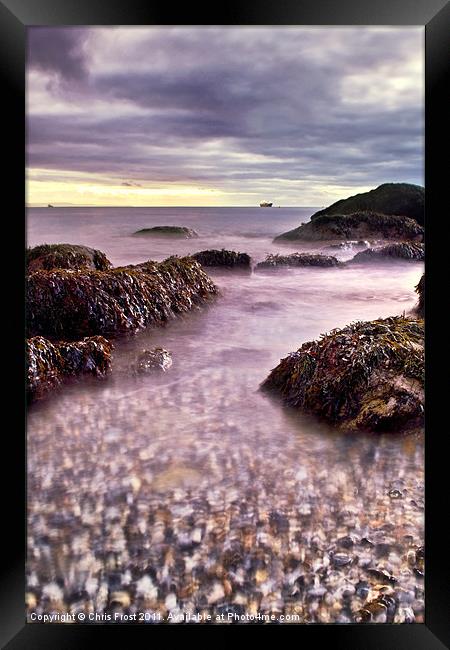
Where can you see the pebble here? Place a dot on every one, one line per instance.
(217, 593)
(340, 559)
(171, 601)
(395, 494)
(121, 598)
(30, 600)
(150, 514)
(346, 542)
(317, 592)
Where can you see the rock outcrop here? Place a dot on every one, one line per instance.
(420, 290)
(400, 251)
(358, 225)
(65, 256)
(49, 364)
(68, 304)
(168, 231)
(298, 259)
(367, 376)
(222, 258)
(390, 198)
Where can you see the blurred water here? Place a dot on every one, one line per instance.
(112, 229)
(201, 444)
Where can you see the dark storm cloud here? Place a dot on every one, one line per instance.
(230, 110)
(58, 51)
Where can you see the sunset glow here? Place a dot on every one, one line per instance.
(221, 116)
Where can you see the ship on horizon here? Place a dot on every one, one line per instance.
(265, 204)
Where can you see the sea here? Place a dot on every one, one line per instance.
(140, 489)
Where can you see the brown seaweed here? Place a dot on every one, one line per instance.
(222, 258)
(65, 256)
(71, 304)
(368, 375)
(358, 225)
(49, 364)
(420, 290)
(400, 250)
(298, 259)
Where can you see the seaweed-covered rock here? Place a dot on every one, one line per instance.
(359, 225)
(65, 256)
(298, 259)
(400, 250)
(229, 259)
(367, 376)
(168, 231)
(155, 359)
(420, 289)
(48, 364)
(66, 304)
(390, 198)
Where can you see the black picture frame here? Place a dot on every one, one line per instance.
(434, 15)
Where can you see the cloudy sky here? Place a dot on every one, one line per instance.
(221, 115)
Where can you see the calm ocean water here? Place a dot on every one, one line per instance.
(123, 471)
(111, 229)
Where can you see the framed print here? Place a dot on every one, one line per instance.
(223, 304)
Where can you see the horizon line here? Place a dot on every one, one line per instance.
(86, 205)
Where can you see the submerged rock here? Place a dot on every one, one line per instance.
(298, 259)
(155, 359)
(358, 225)
(66, 304)
(48, 364)
(222, 258)
(400, 250)
(168, 231)
(345, 245)
(367, 376)
(420, 290)
(390, 198)
(65, 256)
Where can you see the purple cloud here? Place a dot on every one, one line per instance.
(229, 107)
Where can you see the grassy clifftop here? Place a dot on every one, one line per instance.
(401, 199)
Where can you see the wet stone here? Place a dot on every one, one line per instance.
(297, 259)
(127, 515)
(157, 359)
(346, 542)
(405, 596)
(420, 553)
(404, 615)
(362, 590)
(317, 592)
(382, 575)
(278, 522)
(341, 559)
(222, 258)
(383, 549)
(235, 610)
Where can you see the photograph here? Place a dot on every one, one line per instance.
(225, 297)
